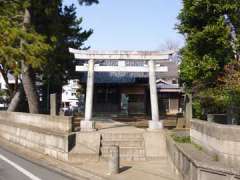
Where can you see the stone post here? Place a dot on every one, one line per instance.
(53, 104)
(154, 123)
(188, 110)
(114, 160)
(87, 124)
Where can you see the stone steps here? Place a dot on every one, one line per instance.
(123, 143)
(125, 153)
(131, 145)
(122, 136)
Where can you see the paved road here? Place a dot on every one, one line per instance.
(13, 167)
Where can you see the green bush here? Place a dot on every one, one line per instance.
(197, 109)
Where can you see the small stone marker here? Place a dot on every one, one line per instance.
(188, 110)
(53, 104)
(113, 163)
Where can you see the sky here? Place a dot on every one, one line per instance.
(130, 24)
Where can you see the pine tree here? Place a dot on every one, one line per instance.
(36, 37)
(63, 30)
(22, 49)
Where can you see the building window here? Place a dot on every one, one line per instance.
(174, 81)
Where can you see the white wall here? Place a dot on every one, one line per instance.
(2, 83)
(69, 92)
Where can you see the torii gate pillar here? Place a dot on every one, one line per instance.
(154, 123)
(88, 124)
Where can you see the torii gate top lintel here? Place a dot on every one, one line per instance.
(120, 55)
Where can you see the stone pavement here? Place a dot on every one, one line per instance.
(145, 170)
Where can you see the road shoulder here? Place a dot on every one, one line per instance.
(60, 167)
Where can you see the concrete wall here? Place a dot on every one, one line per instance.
(221, 139)
(45, 134)
(53, 123)
(190, 168)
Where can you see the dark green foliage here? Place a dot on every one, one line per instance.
(52, 30)
(208, 36)
(35, 48)
(63, 30)
(212, 32)
(19, 43)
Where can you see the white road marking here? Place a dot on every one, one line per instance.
(19, 168)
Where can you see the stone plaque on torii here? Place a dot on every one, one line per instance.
(151, 67)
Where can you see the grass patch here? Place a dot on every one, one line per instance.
(197, 146)
(185, 140)
(181, 139)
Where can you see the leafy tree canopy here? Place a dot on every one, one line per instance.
(210, 59)
(212, 32)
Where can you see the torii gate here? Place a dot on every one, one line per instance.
(151, 67)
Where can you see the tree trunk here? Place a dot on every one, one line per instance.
(27, 74)
(29, 89)
(15, 101)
